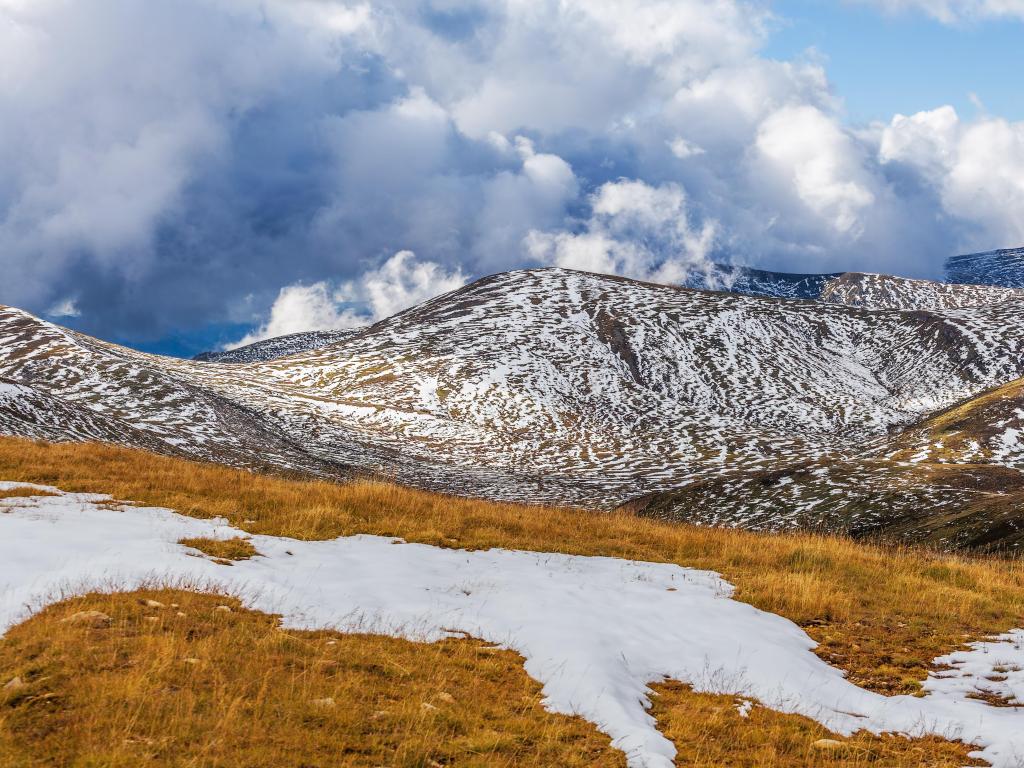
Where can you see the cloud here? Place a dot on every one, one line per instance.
(977, 168)
(173, 165)
(951, 11)
(821, 164)
(635, 230)
(399, 283)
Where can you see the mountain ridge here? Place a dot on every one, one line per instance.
(549, 386)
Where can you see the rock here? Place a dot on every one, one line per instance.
(427, 707)
(93, 619)
(150, 618)
(324, 703)
(180, 615)
(191, 660)
(828, 745)
(153, 604)
(224, 608)
(446, 697)
(15, 684)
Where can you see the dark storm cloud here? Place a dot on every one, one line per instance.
(173, 164)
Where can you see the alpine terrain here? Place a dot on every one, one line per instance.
(845, 412)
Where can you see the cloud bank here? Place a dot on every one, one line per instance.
(184, 163)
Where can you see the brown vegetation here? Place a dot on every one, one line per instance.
(880, 613)
(174, 679)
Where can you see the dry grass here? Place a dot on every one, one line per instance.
(125, 695)
(710, 732)
(223, 550)
(880, 613)
(189, 684)
(23, 493)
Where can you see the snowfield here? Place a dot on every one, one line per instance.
(594, 631)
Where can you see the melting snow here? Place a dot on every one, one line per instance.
(594, 631)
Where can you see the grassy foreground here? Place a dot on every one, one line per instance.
(881, 614)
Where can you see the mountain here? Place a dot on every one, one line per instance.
(1003, 267)
(871, 291)
(279, 346)
(541, 385)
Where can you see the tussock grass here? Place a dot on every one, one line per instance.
(23, 493)
(213, 687)
(186, 683)
(223, 549)
(880, 613)
(709, 732)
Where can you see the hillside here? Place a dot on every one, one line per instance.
(1002, 280)
(1004, 267)
(786, 614)
(953, 480)
(271, 349)
(547, 385)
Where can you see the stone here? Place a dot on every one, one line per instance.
(15, 684)
(153, 604)
(828, 745)
(324, 703)
(92, 619)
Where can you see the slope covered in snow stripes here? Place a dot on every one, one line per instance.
(544, 385)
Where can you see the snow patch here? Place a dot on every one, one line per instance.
(595, 631)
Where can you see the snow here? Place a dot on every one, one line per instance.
(550, 386)
(594, 631)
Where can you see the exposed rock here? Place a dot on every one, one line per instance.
(92, 619)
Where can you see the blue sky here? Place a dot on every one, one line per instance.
(183, 174)
(885, 63)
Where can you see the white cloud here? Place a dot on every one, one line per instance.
(65, 308)
(822, 162)
(163, 161)
(635, 230)
(950, 11)
(401, 282)
(977, 168)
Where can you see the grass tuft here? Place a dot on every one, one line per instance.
(223, 549)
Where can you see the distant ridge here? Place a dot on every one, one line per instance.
(272, 349)
(1004, 267)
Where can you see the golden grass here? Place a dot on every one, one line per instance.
(709, 732)
(23, 493)
(219, 688)
(190, 684)
(880, 613)
(223, 549)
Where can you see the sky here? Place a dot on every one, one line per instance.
(180, 175)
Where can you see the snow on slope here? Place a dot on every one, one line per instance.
(551, 385)
(594, 631)
(858, 289)
(279, 346)
(1003, 267)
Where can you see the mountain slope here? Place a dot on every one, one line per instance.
(279, 346)
(953, 480)
(871, 291)
(1004, 267)
(545, 385)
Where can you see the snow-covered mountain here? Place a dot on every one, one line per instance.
(871, 291)
(279, 346)
(1004, 267)
(547, 385)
